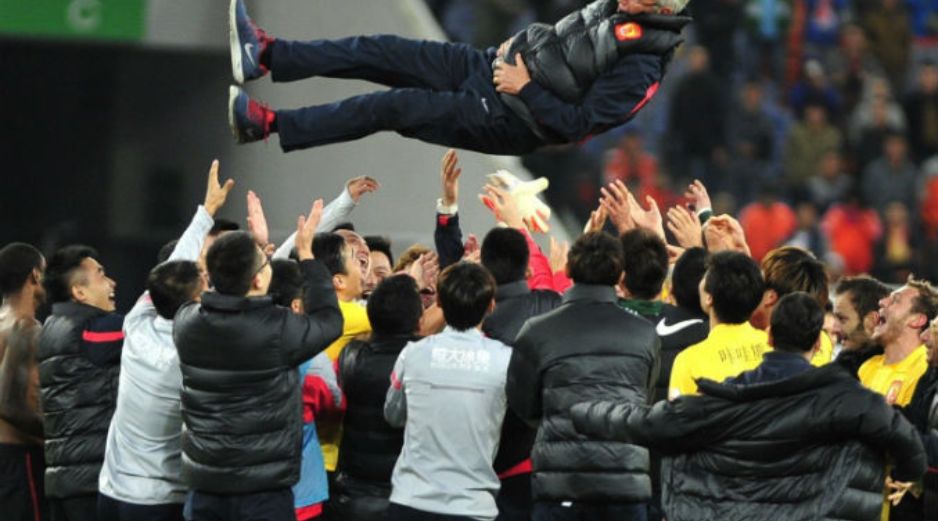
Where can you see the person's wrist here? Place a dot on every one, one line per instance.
(446, 208)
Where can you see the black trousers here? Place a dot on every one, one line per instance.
(80, 508)
(441, 93)
(110, 509)
(22, 495)
(548, 511)
(275, 505)
(401, 513)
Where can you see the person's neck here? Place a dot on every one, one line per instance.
(18, 306)
(714, 321)
(901, 348)
(343, 297)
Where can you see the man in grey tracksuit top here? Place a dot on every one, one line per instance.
(448, 391)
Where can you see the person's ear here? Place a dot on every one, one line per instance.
(78, 293)
(917, 321)
(769, 298)
(338, 282)
(296, 305)
(869, 321)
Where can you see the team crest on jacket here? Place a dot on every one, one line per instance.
(628, 31)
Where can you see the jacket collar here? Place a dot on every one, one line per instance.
(72, 308)
(665, 22)
(811, 379)
(219, 302)
(511, 289)
(590, 292)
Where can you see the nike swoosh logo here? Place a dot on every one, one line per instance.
(664, 330)
(249, 49)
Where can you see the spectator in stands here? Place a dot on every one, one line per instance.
(890, 32)
(807, 143)
(853, 66)
(852, 229)
(783, 441)
(808, 235)
(252, 429)
(921, 111)
(815, 89)
(697, 123)
(876, 106)
(767, 222)
(786, 270)
(730, 291)
(141, 477)
(897, 253)
(448, 393)
(577, 352)
(891, 178)
(79, 363)
(856, 314)
(370, 446)
(22, 467)
(831, 184)
(751, 141)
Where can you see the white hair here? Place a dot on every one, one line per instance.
(676, 6)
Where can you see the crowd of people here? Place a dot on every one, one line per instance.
(625, 376)
(812, 121)
(673, 362)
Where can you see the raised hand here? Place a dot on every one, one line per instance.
(725, 233)
(698, 196)
(216, 194)
(358, 186)
(685, 226)
(596, 221)
(449, 175)
(558, 254)
(471, 246)
(650, 218)
(257, 222)
(616, 203)
(504, 205)
(306, 230)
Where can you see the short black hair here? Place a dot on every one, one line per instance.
(221, 226)
(595, 258)
(796, 323)
(166, 250)
(505, 254)
(172, 284)
(382, 244)
(685, 279)
(62, 266)
(865, 293)
(286, 283)
(645, 262)
(735, 283)
(465, 290)
(395, 307)
(17, 262)
(232, 262)
(331, 250)
(347, 225)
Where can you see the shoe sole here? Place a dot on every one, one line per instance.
(235, 43)
(233, 93)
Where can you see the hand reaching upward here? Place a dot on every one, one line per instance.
(306, 230)
(216, 194)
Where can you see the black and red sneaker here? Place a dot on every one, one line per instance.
(249, 120)
(248, 42)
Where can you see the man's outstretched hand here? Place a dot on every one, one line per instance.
(359, 186)
(306, 230)
(216, 193)
(510, 79)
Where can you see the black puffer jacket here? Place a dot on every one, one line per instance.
(241, 402)
(78, 399)
(567, 57)
(587, 349)
(810, 447)
(370, 446)
(922, 411)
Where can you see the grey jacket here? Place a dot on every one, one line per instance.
(448, 391)
(142, 461)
